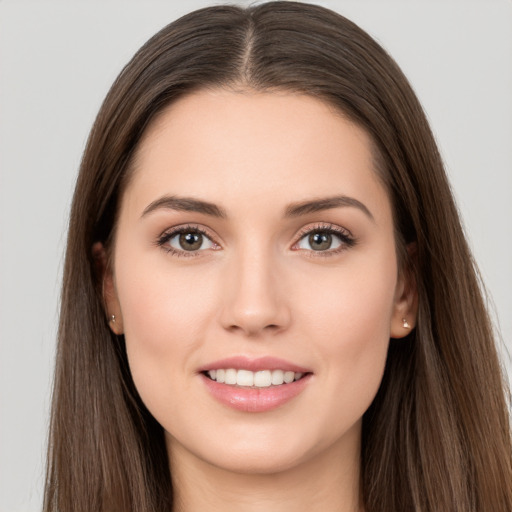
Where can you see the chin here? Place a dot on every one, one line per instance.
(266, 451)
(258, 462)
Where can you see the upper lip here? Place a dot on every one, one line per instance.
(254, 364)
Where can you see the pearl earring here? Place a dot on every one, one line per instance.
(113, 319)
(405, 323)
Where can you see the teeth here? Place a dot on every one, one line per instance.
(288, 377)
(244, 378)
(230, 376)
(277, 377)
(261, 379)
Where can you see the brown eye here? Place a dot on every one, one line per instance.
(188, 241)
(320, 241)
(324, 240)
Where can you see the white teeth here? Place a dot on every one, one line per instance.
(230, 376)
(246, 378)
(289, 377)
(277, 377)
(263, 379)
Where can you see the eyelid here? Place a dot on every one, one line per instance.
(323, 226)
(347, 238)
(169, 233)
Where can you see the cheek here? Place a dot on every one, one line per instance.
(350, 323)
(351, 303)
(164, 318)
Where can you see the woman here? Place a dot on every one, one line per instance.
(268, 301)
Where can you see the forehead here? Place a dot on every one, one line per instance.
(262, 148)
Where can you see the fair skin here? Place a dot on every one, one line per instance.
(255, 273)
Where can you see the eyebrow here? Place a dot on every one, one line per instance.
(326, 203)
(189, 204)
(185, 204)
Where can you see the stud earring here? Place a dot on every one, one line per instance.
(113, 319)
(405, 323)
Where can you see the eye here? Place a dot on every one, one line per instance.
(191, 241)
(328, 239)
(319, 241)
(186, 240)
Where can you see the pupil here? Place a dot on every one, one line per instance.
(320, 241)
(191, 241)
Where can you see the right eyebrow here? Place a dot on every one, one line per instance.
(185, 204)
(326, 203)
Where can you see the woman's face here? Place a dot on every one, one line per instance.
(255, 247)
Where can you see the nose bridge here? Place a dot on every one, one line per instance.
(254, 301)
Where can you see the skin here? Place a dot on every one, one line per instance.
(258, 289)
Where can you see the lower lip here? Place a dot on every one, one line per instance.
(255, 399)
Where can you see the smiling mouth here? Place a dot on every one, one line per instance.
(249, 379)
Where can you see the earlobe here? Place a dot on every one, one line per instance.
(405, 310)
(109, 293)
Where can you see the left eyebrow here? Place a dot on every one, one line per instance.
(185, 204)
(326, 203)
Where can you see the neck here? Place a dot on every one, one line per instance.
(329, 481)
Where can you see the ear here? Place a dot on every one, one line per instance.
(109, 293)
(405, 309)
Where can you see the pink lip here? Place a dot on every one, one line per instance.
(254, 399)
(254, 365)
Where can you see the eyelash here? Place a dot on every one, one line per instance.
(166, 236)
(346, 238)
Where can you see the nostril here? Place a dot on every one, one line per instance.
(240, 315)
(253, 330)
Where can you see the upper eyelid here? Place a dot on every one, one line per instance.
(168, 233)
(162, 240)
(323, 227)
(347, 238)
(183, 228)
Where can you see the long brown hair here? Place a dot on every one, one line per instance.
(437, 436)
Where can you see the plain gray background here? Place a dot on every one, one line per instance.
(57, 61)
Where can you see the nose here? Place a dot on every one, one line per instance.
(254, 299)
